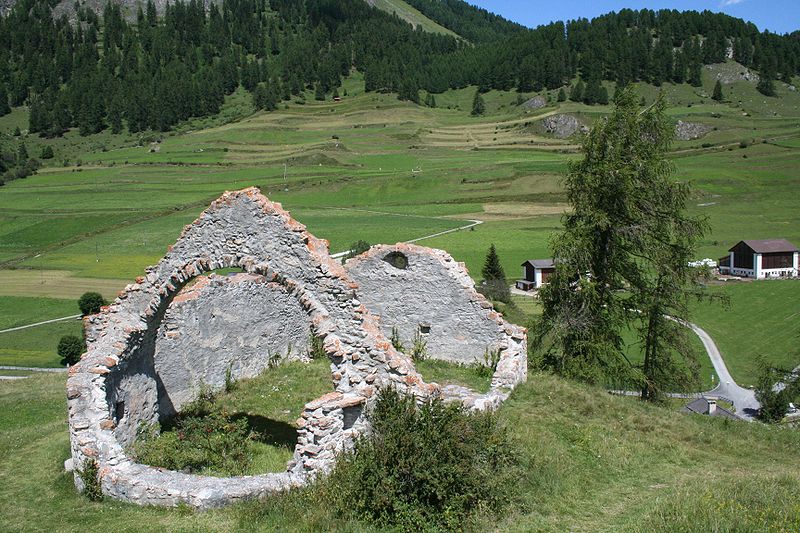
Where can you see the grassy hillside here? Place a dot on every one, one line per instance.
(589, 462)
(371, 167)
(410, 15)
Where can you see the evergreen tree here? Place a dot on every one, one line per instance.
(766, 85)
(718, 92)
(628, 229)
(562, 95)
(478, 105)
(47, 153)
(319, 93)
(576, 93)
(22, 155)
(5, 109)
(494, 283)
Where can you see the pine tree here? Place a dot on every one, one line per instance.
(576, 93)
(22, 155)
(627, 228)
(718, 92)
(478, 105)
(562, 95)
(47, 153)
(5, 109)
(494, 283)
(319, 93)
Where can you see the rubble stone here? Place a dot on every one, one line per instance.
(148, 352)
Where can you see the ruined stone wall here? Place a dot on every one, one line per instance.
(239, 323)
(148, 350)
(425, 292)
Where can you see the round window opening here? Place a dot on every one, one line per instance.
(397, 260)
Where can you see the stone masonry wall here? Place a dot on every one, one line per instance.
(148, 349)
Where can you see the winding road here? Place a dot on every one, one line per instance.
(744, 400)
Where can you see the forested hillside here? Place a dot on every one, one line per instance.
(102, 71)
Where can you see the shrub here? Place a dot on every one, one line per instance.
(431, 467)
(316, 347)
(90, 476)
(419, 348)
(488, 366)
(70, 348)
(47, 153)
(396, 341)
(90, 303)
(357, 248)
(204, 439)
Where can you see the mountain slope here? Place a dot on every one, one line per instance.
(410, 15)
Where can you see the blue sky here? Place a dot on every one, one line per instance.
(780, 16)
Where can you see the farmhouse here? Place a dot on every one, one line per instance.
(535, 273)
(761, 259)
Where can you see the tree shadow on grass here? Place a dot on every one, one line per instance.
(269, 431)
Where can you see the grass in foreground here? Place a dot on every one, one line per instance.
(589, 462)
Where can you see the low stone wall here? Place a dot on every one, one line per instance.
(148, 351)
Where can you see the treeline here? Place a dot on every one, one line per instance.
(475, 24)
(650, 46)
(154, 71)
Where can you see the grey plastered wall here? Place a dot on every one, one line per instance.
(432, 291)
(240, 323)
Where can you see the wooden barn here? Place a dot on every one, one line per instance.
(761, 259)
(535, 273)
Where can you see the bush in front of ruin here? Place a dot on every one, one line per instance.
(432, 466)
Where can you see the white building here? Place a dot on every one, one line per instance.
(762, 259)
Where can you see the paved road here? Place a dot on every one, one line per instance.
(40, 323)
(744, 400)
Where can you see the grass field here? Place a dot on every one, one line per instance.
(107, 206)
(588, 462)
(762, 320)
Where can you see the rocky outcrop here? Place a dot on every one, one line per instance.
(537, 102)
(687, 131)
(731, 72)
(563, 126)
(148, 351)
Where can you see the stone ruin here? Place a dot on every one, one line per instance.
(173, 330)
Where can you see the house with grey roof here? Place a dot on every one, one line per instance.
(762, 259)
(709, 407)
(535, 273)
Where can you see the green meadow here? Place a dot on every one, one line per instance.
(588, 461)
(371, 167)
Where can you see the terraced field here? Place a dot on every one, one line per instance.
(107, 206)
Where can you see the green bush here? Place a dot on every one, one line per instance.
(204, 440)
(70, 348)
(419, 347)
(488, 366)
(90, 303)
(429, 467)
(90, 476)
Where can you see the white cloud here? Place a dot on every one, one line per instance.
(724, 3)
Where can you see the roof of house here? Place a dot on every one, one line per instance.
(540, 263)
(768, 246)
(700, 407)
(725, 261)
